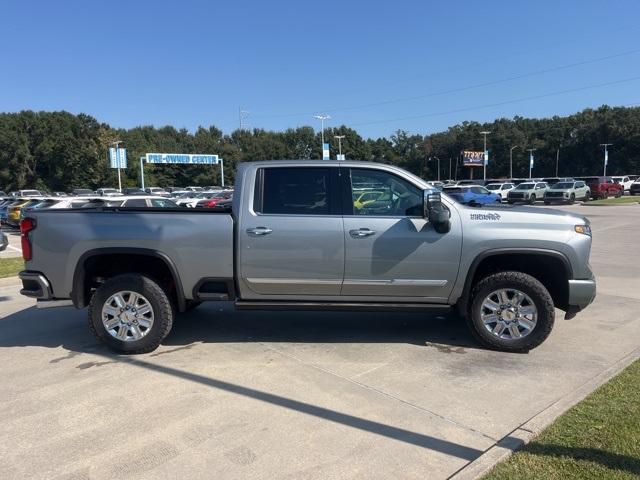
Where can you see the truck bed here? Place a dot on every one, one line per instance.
(196, 242)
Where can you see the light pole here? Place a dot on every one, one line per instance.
(557, 160)
(531, 150)
(438, 159)
(449, 168)
(322, 117)
(511, 161)
(606, 156)
(339, 137)
(486, 155)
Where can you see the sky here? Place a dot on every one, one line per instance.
(419, 66)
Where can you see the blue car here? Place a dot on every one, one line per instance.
(472, 194)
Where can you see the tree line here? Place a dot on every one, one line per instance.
(59, 151)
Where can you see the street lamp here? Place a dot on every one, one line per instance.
(606, 156)
(486, 155)
(322, 117)
(511, 161)
(339, 137)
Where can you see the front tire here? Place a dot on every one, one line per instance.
(510, 312)
(532, 199)
(572, 200)
(131, 314)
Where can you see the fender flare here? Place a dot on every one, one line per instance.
(77, 294)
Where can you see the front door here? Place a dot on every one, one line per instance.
(391, 250)
(292, 242)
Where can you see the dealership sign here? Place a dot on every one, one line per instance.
(473, 159)
(183, 158)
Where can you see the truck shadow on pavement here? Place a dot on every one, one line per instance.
(220, 323)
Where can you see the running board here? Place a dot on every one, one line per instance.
(340, 306)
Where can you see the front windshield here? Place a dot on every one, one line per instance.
(526, 186)
(494, 186)
(563, 185)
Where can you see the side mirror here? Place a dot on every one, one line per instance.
(435, 212)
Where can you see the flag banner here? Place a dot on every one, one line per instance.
(325, 151)
(117, 157)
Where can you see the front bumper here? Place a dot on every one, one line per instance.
(581, 294)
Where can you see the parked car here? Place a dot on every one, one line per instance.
(293, 242)
(625, 181)
(2, 194)
(133, 191)
(501, 189)
(79, 192)
(603, 187)
(13, 210)
(213, 200)
(4, 241)
(157, 191)
(527, 192)
(26, 193)
(635, 187)
(191, 199)
(567, 192)
(108, 192)
(472, 194)
(194, 189)
(141, 202)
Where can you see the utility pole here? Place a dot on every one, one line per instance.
(486, 155)
(339, 137)
(606, 156)
(511, 161)
(449, 169)
(557, 160)
(142, 172)
(322, 117)
(531, 150)
(242, 117)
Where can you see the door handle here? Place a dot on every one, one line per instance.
(259, 231)
(361, 233)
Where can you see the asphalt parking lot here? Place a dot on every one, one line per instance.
(298, 395)
(13, 249)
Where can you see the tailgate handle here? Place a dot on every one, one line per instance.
(361, 233)
(259, 231)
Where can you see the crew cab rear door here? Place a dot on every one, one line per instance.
(391, 250)
(291, 242)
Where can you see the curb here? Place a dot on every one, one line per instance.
(10, 282)
(536, 424)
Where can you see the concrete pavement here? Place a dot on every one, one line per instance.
(297, 395)
(13, 249)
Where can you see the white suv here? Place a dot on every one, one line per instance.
(625, 181)
(501, 189)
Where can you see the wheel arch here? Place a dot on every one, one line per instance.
(156, 263)
(532, 261)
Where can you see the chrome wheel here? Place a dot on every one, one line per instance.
(127, 316)
(509, 314)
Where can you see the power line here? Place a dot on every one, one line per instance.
(497, 104)
(459, 89)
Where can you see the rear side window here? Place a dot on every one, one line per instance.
(579, 184)
(296, 191)
(138, 202)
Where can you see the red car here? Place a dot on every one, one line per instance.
(214, 200)
(604, 187)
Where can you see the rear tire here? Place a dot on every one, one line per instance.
(104, 313)
(532, 199)
(493, 338)
(572, 200)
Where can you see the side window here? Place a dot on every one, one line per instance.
(162, 203)
(296, 191)
(136, 203)
(477, 190)
(388, 194)
(579, 184)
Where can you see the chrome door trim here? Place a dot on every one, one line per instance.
(396, 281)
(302, 281)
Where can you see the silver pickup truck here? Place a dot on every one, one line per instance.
(313, 235)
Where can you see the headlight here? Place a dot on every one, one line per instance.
(566, 194)
(583, 229)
